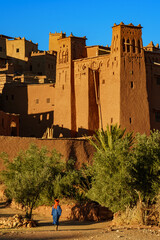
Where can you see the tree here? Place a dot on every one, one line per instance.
(111, 164)
(72, 183)
(146, 168)
(29, 174)
(104, 140)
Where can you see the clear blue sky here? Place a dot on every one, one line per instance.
(34, 19)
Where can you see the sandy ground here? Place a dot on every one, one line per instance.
(69, 230)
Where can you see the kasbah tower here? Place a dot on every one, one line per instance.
(96, 85)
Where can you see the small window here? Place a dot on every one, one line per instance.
(123, 44)
(103, 81)
(37, 101)
(158, 80)
(130, 120)
(131, 84)
(17, 49)
(133, 46)
(139, 46)
(47, 116)
(2, 122)
(7, 97)
(49, 66)
(59, 77)
(111, 120)
(157, 116)
(0, 49)
(48, 100)
(128, 45)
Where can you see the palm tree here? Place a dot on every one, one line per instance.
(103, 140)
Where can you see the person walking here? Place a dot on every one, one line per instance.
(56, 213)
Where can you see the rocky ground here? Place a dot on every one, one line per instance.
(73, 230)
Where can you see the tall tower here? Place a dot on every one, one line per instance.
(69, 48)
(53, 40)
(134, 107)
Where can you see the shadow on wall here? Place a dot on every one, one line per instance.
(35, 125)
(15, 98)
(61, 132)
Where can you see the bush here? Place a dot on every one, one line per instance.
(29, 174)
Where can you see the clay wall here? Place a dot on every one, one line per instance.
(43, 63)
(2, 48)
(34, 103)
(152, 60)
(53, 40)
(69, 48)
(28, 99)
(107, 105)
(15, 99)
(4, 78)
(78, 149)
(35, 125)
(16, 48)
(63, 88)
(20, 48)
(110, 87)
(40, 98)
(30, 47)
(9, 124)
(92, 51)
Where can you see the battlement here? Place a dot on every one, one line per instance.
(41, 53)
(5, 37)
(130, 25)
(19, 38)
(61, 34)
(152, 48)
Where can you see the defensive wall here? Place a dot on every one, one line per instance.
(79, 149)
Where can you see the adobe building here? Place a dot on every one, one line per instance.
(43, 63)
(27, 78)
(34, 103)
(3, 55)
(22, 57)
(96, 86)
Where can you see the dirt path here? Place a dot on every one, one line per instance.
(70, 230)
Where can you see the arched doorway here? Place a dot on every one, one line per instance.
(13, 127)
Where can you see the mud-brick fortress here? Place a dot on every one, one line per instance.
(74, 89)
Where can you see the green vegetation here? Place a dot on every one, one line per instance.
(125, 171)
(28, 175)
(37, 176)
(111, 164)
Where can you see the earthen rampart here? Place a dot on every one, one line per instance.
(78, 149)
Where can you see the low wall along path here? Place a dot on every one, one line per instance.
(79, 149)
